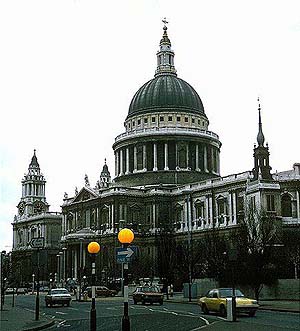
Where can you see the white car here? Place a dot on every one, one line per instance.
(58, 296)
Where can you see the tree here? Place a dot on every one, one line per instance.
(291, 241)
(259, 231)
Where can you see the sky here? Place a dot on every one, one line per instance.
(69, 69)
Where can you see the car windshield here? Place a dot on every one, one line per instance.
(150, 289)
(59, 292)
(227, 292)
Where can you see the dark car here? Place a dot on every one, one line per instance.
(151, 294)
(58, 296)
(101, 291)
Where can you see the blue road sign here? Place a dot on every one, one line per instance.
(125, 255)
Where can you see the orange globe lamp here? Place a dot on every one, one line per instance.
(125, 236)
(93, 247)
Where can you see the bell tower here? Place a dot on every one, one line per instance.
(33, 200)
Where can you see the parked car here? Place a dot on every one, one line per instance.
(58, 296)
(215, 300)
(22, 290)
(151, 294)
(101, 291)
(10, 290)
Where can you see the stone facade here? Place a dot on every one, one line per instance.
(168, 180)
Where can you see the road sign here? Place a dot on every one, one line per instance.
(37, 242)
(125, 255)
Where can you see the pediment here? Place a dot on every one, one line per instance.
(86, 193)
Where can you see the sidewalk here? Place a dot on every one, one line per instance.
(275, 305)
(20, 319)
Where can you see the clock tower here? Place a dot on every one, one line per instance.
(33, 200)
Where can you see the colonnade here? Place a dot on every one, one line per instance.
(156, 156)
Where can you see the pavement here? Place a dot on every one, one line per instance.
(20, 319)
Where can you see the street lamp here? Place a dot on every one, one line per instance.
(64, 264)
(58, 269)
(125, 237)
(93, 249)
(33, 275)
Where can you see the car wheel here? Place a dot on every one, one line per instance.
(222, 310)
(68, 304)
(160, 302)
(134, 302)
(251, 313)
(47, 304)
(204, 309)
(143, 302)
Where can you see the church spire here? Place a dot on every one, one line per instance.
(262, 169)
(165, 55)
(260, 135)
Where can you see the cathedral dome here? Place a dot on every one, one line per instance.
(166, 92)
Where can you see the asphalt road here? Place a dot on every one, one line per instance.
(169, 316)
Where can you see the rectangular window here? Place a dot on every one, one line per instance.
(186, 119)
(178, 118)
(145, 120)
(161, 118)
(193, 120)
(170, 119)
(199, 122)
(153, 119)
(133, 123)
(128, 125)
(270, 202)
(139, 122)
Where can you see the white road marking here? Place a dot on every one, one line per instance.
(111, 308)
(60, 312)
(73, 308)
(31, 310)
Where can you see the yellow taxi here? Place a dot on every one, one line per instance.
(215, 301)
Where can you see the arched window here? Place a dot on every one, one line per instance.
(286, 205)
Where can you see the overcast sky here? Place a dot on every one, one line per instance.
(69, 68)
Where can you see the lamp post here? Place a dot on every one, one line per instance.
(58, 269)
(64, 265)
(125, 237)
(33, 275)
(93, 249)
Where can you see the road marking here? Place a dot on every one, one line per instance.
(73, 308)
(31, 310)
(60, 312)
(205, 320)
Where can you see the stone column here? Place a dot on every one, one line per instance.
(197, 157)
(117, 164)
(154, 225)
(144, 158)
(155, 156)
(83, 256)
(127, 161)
(211, 212)
(166, 157)
(207, 212)
(205, 158)
(229, 209)
(121, 163)
(176, 155)
(112, 217)
(187, 155)
(234, 207)
(75, 262)
(218, 161)
(298, 204)
(134, 159)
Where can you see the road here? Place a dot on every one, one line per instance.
(170, 316)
